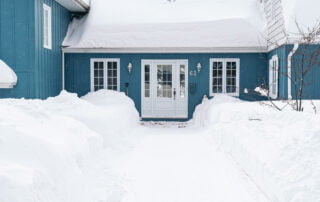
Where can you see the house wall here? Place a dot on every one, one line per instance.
(275, 22)
(48, 63)
(253, 71)
(312, 81)
(38, 69)
(17, 38)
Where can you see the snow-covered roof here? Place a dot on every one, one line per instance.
(75, 5)
(304, 12)
(8, 78)
(160, 24)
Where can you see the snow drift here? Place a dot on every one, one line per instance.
(59, 149)
(8, 77)
(278, 150)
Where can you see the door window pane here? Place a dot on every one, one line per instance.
(147, 81)
(182, 81)
(164, 81)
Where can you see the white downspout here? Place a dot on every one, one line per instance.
(63, 75)
(293, 51)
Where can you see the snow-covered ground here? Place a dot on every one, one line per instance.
(94, 149)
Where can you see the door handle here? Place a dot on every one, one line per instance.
(174, 93)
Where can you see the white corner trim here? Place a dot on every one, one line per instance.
(224, 84)
(63, 73)
(293, 51)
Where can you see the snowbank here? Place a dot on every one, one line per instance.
(59, 149)
(8, 77)
(278, 150)
(164, 24)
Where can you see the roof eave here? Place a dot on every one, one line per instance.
(258, 49)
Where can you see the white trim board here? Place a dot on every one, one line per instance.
(169, 50)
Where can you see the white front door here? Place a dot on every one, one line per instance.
(164, 89)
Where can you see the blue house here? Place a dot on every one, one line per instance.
(165, 55)
(31, 35)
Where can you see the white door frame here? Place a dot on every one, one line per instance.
(176, 107)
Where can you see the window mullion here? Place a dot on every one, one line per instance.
(105, 69)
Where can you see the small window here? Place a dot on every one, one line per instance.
(273, 77)
(105, 74)
(47, 35)
(224, 76)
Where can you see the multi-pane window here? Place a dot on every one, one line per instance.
(224, 76)
(273, 77)
(47, 35)
(231, 77)
(98, 75)
(182, 81)
(112, 76)
(104, 74)
(164, 81)
(147, 81)
(217, 76)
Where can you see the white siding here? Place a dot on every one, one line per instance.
(275, 22)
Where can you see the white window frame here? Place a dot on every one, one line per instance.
(274, 77)
(47, 26)
(105, 61)
(224, 76)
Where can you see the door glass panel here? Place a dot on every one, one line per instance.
(182, 81)
(112, 81)
(231, 77)
(217, 75)
(98, 75)
(164, 81)
(147, 81)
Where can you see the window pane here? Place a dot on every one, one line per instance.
(164, 81)
(112, 77)
(182, 81)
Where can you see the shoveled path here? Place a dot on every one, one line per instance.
(178, 164)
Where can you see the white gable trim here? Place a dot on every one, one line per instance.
(169, 50)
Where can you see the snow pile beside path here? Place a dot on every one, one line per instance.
(7, 76)
(61, 149)
(280, 151)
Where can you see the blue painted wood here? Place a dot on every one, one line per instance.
(38, 69)
(311, 90)
(253, 70)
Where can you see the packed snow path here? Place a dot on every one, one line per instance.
(174, 164)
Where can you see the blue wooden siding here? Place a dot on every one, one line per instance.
(48, 68)
(17, 44)
(253, 71)
(312, 89)
(38, 69)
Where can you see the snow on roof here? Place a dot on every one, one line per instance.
(164, 24)
(75, 5)
(304, 12)
(7, 76)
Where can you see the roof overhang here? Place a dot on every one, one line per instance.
(75, 5)
(169, 50)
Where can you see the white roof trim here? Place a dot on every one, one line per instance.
(75, 5)
(169, 50)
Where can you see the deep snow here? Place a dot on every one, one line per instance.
(161, 24)
(94, 149)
